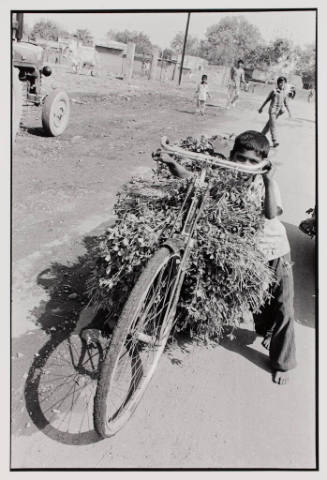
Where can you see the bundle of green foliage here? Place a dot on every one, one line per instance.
(227, 275)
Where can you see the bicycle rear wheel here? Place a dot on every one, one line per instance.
(137, 344)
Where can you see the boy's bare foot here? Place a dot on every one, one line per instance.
(266, 341)
(280, 377)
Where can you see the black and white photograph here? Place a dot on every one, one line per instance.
(163, 237)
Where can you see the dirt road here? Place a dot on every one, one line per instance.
(205, 408)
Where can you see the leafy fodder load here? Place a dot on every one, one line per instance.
(227, 275)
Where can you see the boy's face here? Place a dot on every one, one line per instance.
(281, 84)
(246, 157)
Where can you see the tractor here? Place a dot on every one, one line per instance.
(27, 72)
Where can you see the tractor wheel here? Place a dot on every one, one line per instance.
(55, 113)
(17, 103)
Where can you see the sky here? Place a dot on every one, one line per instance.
(298, 26)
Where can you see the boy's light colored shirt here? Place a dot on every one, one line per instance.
(202, 91)
(272, 240)
(278, 100)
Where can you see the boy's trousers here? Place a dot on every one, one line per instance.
(271, 125)
(277, 316)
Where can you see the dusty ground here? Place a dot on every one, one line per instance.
(205, 408)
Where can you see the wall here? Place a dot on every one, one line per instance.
(109, 60)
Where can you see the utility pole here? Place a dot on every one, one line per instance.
(184, 47)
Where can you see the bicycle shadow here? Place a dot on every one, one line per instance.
(43, 417)
(48, 373)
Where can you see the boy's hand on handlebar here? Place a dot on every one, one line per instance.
(156, 156)
(160, 156)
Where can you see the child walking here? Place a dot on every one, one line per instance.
(201, 95)
(278, 104)
(276, 320)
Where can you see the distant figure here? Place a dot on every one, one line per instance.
(237, 77)
(146, 68)
(278, 101)
(201, 95)
(310, 94)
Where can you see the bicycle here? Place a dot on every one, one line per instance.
(147, 319)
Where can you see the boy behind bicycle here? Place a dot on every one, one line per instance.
(276, 320)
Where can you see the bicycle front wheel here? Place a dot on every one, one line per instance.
(137, 344)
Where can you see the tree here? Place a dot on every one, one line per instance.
(142, 42)
(167, 53)
(84, 36)
(192, 44)
(280, 50)
(46, 30)
(110, 35)
(26, 30)
(306, 65)
(258, 57)
(232, 38)
(63, 34)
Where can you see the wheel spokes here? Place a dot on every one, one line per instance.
(143, 342)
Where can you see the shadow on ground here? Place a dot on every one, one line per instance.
(60, 383)
(37, 131)
(191, 112)
(303, 252)
(243, 338)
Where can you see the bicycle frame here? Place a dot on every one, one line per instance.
(183, 243)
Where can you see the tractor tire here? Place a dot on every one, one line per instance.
(55, 113)
(17, 103)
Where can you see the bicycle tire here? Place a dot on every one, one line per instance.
(132, 325)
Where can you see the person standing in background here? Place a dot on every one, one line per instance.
(201, 95)
(237, 77)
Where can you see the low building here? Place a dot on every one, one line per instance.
(193, 65)
(110, 56)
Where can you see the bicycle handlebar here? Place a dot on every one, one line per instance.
(261, 167)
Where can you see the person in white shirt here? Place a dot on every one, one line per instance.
(201, 95)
